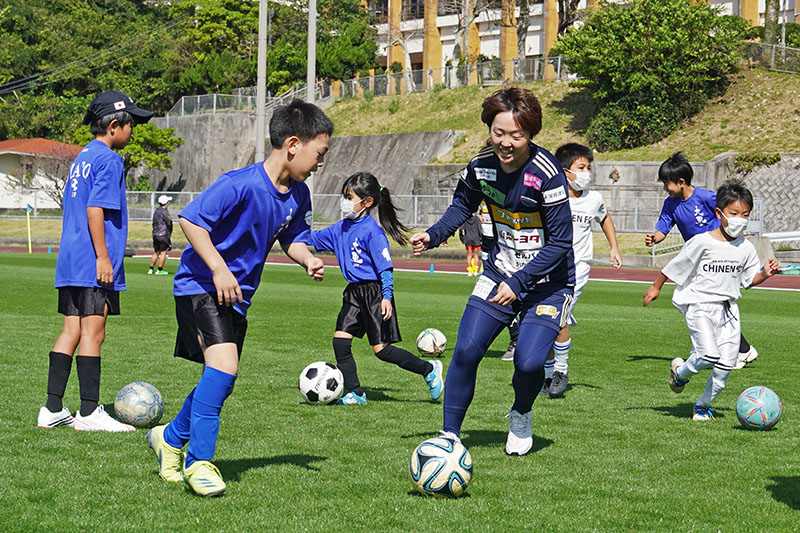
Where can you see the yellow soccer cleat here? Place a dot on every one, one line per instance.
(170, 458)
(204, 479)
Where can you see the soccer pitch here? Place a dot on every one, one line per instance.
(618, 452)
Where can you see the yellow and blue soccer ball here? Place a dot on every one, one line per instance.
(758, 408)
(441, 467)
(139, 404)
(431, 341)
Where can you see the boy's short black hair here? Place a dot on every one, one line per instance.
(298, 119)
(99, 126)
(733, 191)
(676, 168)
(568, 153)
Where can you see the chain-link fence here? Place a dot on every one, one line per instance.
(773, 57)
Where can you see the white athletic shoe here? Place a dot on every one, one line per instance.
(449, 435)
(99, 420)
(50, 420)
(745, 358)
(520, 436)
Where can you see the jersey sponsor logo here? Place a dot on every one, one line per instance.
(555, 195)
(547, 310)
(699, 217)
(309, 218)
(724, 267)
(385, 254)
(516, 220)
(521, 239)
(494, 194)
(529, 180)
(580, 218)
(355, 253)
(528, 202)
(487, 174)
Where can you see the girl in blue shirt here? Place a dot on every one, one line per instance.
(362, 250)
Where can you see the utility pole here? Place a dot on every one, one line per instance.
(311, 56)
(261, 80)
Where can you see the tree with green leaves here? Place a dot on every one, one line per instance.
(650, 64)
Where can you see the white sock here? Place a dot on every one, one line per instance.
(561, 350)
(693, 365)
(548, 369)
(715, 384)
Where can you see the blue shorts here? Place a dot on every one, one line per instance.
(547, 304)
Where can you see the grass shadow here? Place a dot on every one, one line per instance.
(633, 358)
(786, 489)
(233, 469)
(682, 410)
(485, 438)
(579, 106)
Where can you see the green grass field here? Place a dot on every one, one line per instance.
(618, 453)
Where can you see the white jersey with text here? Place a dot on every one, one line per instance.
(585, 208)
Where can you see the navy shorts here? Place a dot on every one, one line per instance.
(84, 301)
(361, 313)
(547, 304)
(162, 244)
(202, 322)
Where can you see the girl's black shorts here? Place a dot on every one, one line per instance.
(361, 313)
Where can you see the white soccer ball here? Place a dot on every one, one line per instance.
(321, 382)
(139, 404)
(431, 342)
(441, 467)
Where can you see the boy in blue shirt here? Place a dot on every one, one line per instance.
(231, 226)
(692, 210)
(95, 225)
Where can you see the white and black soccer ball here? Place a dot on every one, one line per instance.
(139, 404)
(321, 382)
(431, 341)
(441, 467)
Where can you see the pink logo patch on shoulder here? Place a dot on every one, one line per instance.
(529, 180)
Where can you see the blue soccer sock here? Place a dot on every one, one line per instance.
(176, 434)
(549, 367)
(209, 395)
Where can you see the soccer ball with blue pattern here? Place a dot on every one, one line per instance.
(431, 342)
(758, 408)
(139, 404)
(441, 467)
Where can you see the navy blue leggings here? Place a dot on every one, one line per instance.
(476, 332)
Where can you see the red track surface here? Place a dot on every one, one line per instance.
(423, 265)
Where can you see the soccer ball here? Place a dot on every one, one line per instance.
(321, 382)
(441, 467)
(431, 342)
(758, 408)
(139, 404)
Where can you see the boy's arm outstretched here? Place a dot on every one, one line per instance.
(228, 290)
(299, 253)
(654, 290)
(610, 232)
(771, 267)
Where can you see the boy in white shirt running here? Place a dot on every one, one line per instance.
(709, 273)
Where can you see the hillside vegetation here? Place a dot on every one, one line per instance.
(760, 112)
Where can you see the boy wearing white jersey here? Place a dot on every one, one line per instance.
(586, 205)
(709, 273)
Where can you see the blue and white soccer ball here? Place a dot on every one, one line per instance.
(431, 341)
(758, 408)
(321, 382)
(441, 467)
(139, 404)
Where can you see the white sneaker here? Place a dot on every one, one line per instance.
(520, 436)
(99, 420)
(49, 420)
(449, 435)
(746, 358)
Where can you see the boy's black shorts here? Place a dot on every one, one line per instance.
(201, 315)
(162, 244)
(361, 313)
(83, 301)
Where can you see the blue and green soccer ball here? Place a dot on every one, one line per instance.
(139, 404)
(440, 467)
(758, 408)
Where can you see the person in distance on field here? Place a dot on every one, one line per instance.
(231, 226)
(95, 226)
(530, 270)
(162, 234)
(368, 303)
(692, 210)
(709, 273)
(470, 235)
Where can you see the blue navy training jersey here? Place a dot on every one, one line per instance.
(692, 216)
(96, 179)
(361, 247)
(530, 214)
(244, 214)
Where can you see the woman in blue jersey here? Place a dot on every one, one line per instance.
(530, 270)
(362, 250)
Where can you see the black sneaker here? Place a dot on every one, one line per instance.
(546, 387)
(509, 355)
(559, 384)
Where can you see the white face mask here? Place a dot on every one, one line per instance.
(581, 181)
(347, 208)
(736, 225)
